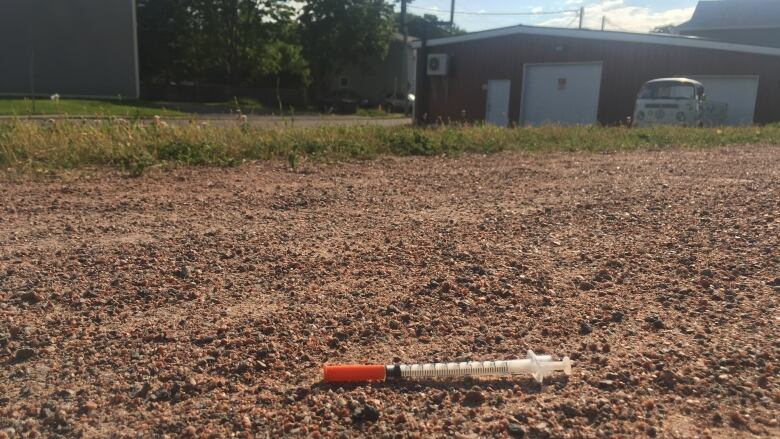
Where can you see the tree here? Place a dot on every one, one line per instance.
(160, 25)
(337, 33)
(240, 42)
(419, 25)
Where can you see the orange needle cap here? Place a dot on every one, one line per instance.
(347, 373)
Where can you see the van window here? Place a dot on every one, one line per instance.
(667, 90)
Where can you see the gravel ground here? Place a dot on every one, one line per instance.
(203, 302)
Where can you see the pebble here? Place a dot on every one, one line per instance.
(89, 407)
(365, 413)
(24, 354)
(585, 328)
(182, 272)
(31, 297)
(540, 430)
(474, 397)
(515, 430)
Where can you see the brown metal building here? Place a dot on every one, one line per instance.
(533, 75)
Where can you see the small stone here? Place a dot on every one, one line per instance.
(540, 430)
(569, 410)
(66, 394)
(617, 316)
(474, 397)
(737, 420)
(655, 321)
(24, 354)
(182, 272)
(365, 413)
(515, 430)
(586, 286)
(31, 297)
(667, 379)
(162, 394)
(585, 328)
(602, 276)
(189, 432)
(606, 384)
(88, 407)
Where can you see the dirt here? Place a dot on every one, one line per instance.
(204, 302)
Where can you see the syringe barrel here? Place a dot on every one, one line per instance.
(469, 368)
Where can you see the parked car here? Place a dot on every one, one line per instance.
(677, 101)
(398, 103)
(342, 102)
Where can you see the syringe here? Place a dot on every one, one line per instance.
(538, 366)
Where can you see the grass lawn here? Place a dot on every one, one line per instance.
(32, 145)
(84, 107)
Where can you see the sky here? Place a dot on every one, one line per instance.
(623, 15)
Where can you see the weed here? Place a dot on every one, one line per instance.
(28, 146)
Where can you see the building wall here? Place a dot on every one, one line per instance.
(626, 66)
(756, 37)
(377, 78)
(82, 48)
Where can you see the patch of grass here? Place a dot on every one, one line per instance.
(133, 146)
(84, 107)
(377, 112)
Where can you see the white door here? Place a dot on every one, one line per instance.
(498, 102)
(739, 92)
(566, 94)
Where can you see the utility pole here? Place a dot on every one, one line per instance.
(405, 62)
(582, 16)
(603, 23)
(31, 57)
(420, 102)
(452, 13)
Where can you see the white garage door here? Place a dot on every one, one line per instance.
(739, 92)
(565, 94)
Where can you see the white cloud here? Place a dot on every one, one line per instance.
(623, 17)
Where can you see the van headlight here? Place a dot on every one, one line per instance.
(640, 115)
(681, 116)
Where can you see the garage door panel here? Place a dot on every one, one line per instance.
(739, 92)
(566, 94)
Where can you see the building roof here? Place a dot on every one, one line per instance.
(628, 37)
(675, 80)
(734, 14)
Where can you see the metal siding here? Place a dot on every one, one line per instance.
(627, 65)
(82, 47)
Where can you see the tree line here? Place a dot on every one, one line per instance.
(264, 43)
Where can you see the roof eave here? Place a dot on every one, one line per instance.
(662, 39)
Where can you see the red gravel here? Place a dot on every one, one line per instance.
(205, 301)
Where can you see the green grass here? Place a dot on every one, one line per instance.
(377, 112)
(43, 147)
(84, 107)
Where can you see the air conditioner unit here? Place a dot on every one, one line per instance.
(438, 64)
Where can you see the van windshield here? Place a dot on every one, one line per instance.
(667, 90)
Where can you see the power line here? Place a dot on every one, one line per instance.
(565, 11)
